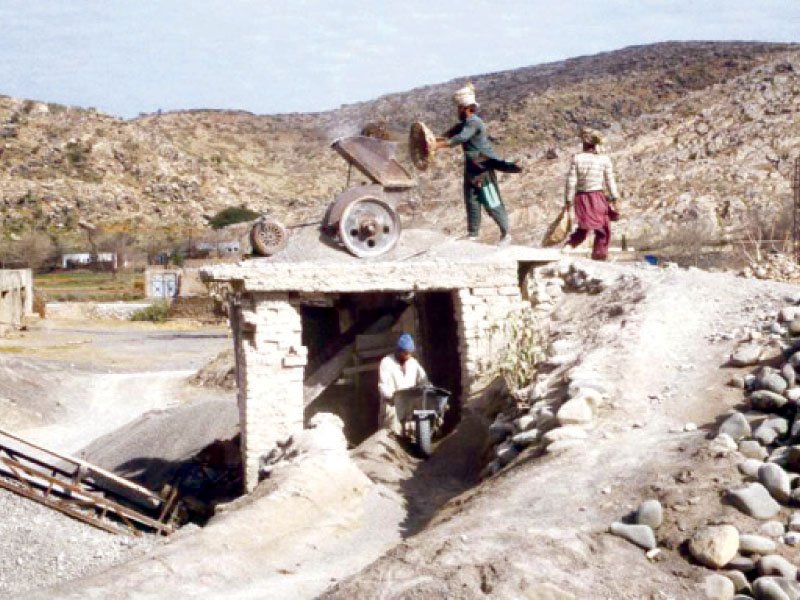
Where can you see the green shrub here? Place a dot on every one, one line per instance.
(156, 312)
(231, 215)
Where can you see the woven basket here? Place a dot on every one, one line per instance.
(421, 145)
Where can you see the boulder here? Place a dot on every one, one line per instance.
(776, 588)
(753, 449)
(718, 587)
(526, 438)
(715, 546)
(774, 382)
(736, 426)
(641, 535)
(756, 544)
(789, 374)
(775, 479)
(746, 355)
(581, 410)
(767, 401)
(749, 468)
(650, 513)
(754, 500)
(774, 564)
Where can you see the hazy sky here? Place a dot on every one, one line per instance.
(131, 56)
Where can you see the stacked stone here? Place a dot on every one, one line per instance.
(272, 357)
(540, 423)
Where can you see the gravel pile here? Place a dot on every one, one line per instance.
(41, 547)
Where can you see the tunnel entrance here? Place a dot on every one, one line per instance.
(367, 326)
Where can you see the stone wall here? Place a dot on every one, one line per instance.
(16, 297)
(482, 314)
(270, 361)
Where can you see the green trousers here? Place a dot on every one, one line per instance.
(473, 206)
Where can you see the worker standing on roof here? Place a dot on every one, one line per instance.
(480, 163)
(589, 174)
(398, 371)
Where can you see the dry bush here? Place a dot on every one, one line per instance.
(31, 250)
(518, 363)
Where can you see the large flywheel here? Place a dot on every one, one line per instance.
(369, 226)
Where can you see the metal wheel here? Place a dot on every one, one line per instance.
(268, 237)
(369, 227)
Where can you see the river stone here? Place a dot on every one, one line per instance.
(754, 500)
(788, 314)
(775, 479)
(777, 565)
(753, 449)
(736, 426)
(567, 432)
(526, 438)
(650, 513)
(775, 588)
(718, 587)
(794, 327)
(500, 430)
(745, 564)
(765, 435)
(789, 374)
(779, 456)
(746, 355)
(715, 546)
(794, 522)
(750, 467)
(794, 359)
(767, 401)
(524, 423)
(777, 423)
(641, 535)
(581, 410)
(505, 453)
(772, 528)
(774, 382)
(793, 394)
(793, 458)
(792, 538)
(756, 544)
(740, 582)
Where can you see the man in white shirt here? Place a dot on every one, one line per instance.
(398, 371)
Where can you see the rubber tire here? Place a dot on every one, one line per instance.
(424, 437)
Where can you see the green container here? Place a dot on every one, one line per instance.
(488, 194)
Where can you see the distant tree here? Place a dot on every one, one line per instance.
(32, 249)
(231, 215)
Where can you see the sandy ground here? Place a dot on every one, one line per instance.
(322, 527)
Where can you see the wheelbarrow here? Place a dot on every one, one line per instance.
(420, 411)
(362, 218)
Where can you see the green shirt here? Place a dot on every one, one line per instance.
(471, 134)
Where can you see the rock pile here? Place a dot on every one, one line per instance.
(556, 411)
(777, 266)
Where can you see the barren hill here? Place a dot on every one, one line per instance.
(701, 133)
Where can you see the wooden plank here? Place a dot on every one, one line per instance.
(326, 374)
(89, 469)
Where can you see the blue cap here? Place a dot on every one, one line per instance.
(405, 343)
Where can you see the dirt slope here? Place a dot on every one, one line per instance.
(543, 521)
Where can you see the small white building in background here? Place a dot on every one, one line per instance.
(85, 258)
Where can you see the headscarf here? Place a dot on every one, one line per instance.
(405, 343)
(465, 96)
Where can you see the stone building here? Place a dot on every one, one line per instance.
(292, 316)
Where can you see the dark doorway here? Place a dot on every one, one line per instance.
(438, 348)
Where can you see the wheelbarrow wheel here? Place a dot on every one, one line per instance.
(268, 237)
(424, 436)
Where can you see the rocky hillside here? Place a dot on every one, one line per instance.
(702, 134)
